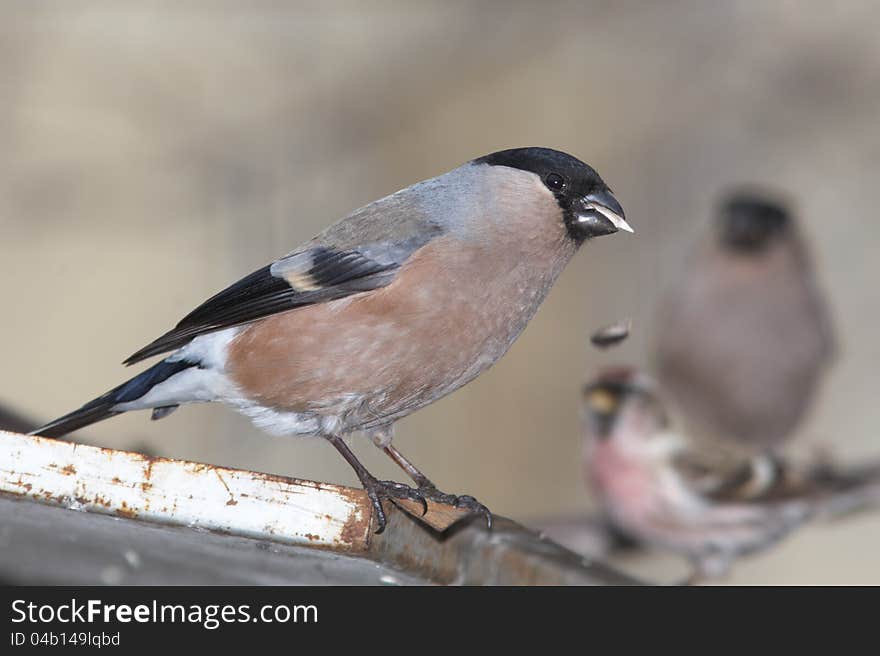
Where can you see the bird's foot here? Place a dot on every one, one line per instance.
(463, 502)
(378, 490)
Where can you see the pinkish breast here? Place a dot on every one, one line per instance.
(451, 312)
(624, 484)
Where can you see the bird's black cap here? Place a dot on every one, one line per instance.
(749, 221)
(542, 162)
(573, 184)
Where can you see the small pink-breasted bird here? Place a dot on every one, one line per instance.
(708, 504)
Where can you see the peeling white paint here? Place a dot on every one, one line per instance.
(186, 494)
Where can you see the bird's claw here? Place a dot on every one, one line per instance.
(463, 502)
(378, 490)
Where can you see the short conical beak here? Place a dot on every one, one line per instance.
(600, 214)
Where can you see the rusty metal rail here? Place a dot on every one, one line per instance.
(72, 513)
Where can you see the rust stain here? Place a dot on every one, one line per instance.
(116, 480)
(68, 470)
(311, 537)
(354, 496)
(145, 486)
(357, 531)
(99, 500)
(86, 501)
(126, 511)
(232, 501)
(20, 483)
(148, 468)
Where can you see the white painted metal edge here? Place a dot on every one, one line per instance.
(175, 492)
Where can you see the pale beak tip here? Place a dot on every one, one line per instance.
(623, 225)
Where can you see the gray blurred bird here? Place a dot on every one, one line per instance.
(744, 337)
(395, 306)
(662, 488)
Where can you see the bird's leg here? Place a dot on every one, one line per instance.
(428, 490)
(418, 477)
(381, 437)
(376, 490)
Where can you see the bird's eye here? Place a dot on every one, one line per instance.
(555, 181)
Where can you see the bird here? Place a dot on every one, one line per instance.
(661, 487)
(744, 337)
(393, 307)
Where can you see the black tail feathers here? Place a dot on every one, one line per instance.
(101, 408)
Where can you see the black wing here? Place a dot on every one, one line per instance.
(316, 275)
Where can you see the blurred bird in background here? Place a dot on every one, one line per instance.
(744, 336)
(393, 307)
(665, 490)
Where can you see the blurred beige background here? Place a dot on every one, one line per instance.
(151, 153)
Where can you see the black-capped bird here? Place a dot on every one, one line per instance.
(398, 304)
(745, 336)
